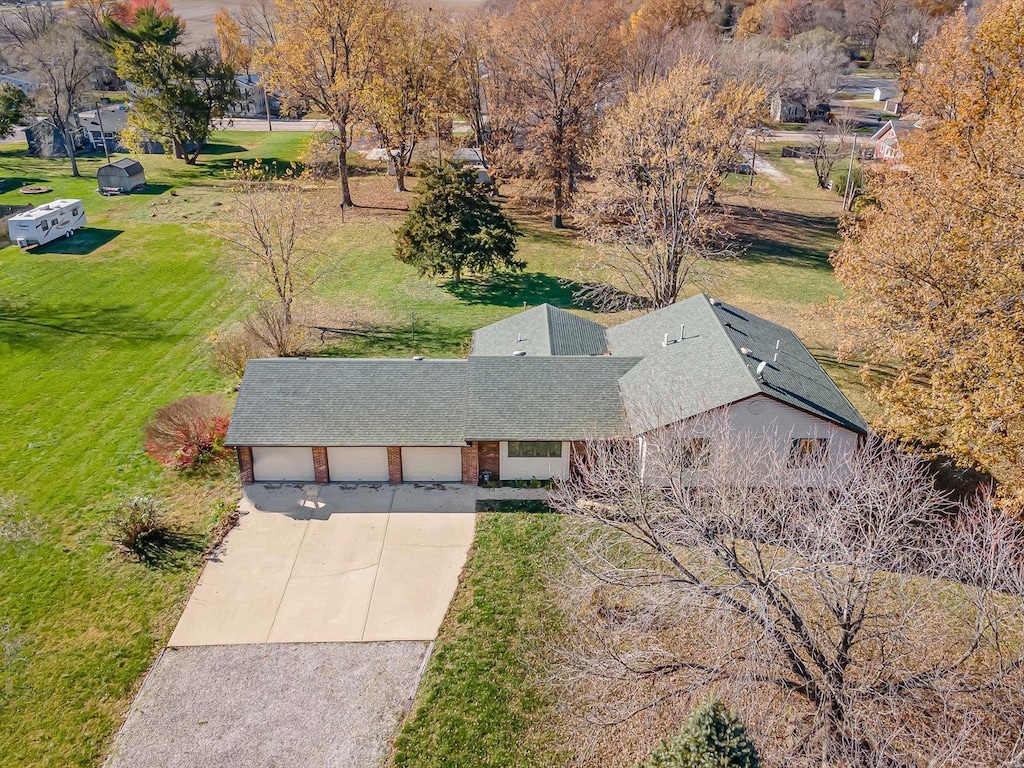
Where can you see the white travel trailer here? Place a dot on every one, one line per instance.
(46, 223)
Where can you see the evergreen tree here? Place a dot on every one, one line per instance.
(13, 108)
(456, 227)
(713, 737)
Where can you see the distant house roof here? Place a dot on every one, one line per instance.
(114, 117)
(543, 330)
(543, 374)
(470, 155)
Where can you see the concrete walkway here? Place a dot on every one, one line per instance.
(332, 564)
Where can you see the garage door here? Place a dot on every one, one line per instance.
(269, 464)
(358, 464)
(432, 464)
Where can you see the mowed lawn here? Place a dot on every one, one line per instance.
(100, 330)
(96, 332)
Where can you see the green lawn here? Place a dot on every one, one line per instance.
(478, 704)
(96, 332)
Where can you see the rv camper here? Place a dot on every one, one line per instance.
(46, 223)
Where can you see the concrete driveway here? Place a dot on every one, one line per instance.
(333, 564)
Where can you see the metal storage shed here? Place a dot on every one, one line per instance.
(121, 177)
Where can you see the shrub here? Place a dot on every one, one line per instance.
(713, 737)
(231, 350)
(136, 522)
(188, 433)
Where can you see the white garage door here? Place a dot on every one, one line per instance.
(432, 464)
(269, 464)
(358, 464)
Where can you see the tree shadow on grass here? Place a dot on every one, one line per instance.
(414, 338)
(12, 183)
(37, 326)
(515, 290)
(782, 237)
(84, 241)
(152, 189)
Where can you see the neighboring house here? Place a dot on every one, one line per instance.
(534, 386)
(25, 81)
(46, 140)
(114, 119)
(894, 106)
(252, 101)
(785, 110)
(887, 142)
(473, 156)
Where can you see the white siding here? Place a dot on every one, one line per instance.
(358, 464)
(442, 465)
(273, 464)
(528, 469)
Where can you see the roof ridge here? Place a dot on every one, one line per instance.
(547, 327)
(732, 344)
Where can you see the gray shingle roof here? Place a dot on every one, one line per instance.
(545, 398)
(323, 401)
(543, 330)
(706, 369)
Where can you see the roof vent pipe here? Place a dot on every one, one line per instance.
(746, 352)
(664, 342)
(775, 357)
(519, 338)
(519, 353)
(682, 332)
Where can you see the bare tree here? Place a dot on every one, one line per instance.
(830, 145)
(63, 58)
(272, 233)
(853, 613)
(659, 160)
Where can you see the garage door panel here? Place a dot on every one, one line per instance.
(274, 464)
(442, 465)
(365, 464)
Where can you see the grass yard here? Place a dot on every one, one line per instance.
(478, 705)
(96, 332)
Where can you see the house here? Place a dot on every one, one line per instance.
(887, 142)
(45, 139)
(26, 82)
(473, 156)
(121, 177)
(252, 100)
(786, 110)
(106, 124)
(534, 386)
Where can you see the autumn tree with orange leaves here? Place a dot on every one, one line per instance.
(934, 273)
(325, 56)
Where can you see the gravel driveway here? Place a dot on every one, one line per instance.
(308, 705)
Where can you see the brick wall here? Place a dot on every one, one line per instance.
(470, 465)
(245, 463)
(489, 459)
(394, 464)
(577, 453)
(321, 470)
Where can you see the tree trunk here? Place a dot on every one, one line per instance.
(557, 197)
(346, 192)
(69, 145)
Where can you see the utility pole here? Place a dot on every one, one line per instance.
(266, 104)
(103, 135)
(849, 177)
(753, 160)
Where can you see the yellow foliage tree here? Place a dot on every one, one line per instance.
(325, 56)
(230, 42)
(934, 272)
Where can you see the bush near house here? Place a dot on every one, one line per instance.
(188, 432)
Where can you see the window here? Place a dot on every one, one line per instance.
(45, 225)
(535, 449)
(694, 453)
(808, 452)
(74, 211)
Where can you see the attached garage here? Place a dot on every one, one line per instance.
(435, 464)
(349, 465)
(273, 464)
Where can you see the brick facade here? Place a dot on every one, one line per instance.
(395, 464)
(577, 453)
(245, 464)
(489, 458)
(470, 465)
(321, 470)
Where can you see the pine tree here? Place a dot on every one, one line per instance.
(713, 737)
(455, 227)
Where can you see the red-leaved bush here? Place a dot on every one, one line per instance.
(188, 432)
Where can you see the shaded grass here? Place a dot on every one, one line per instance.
(478, 704)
